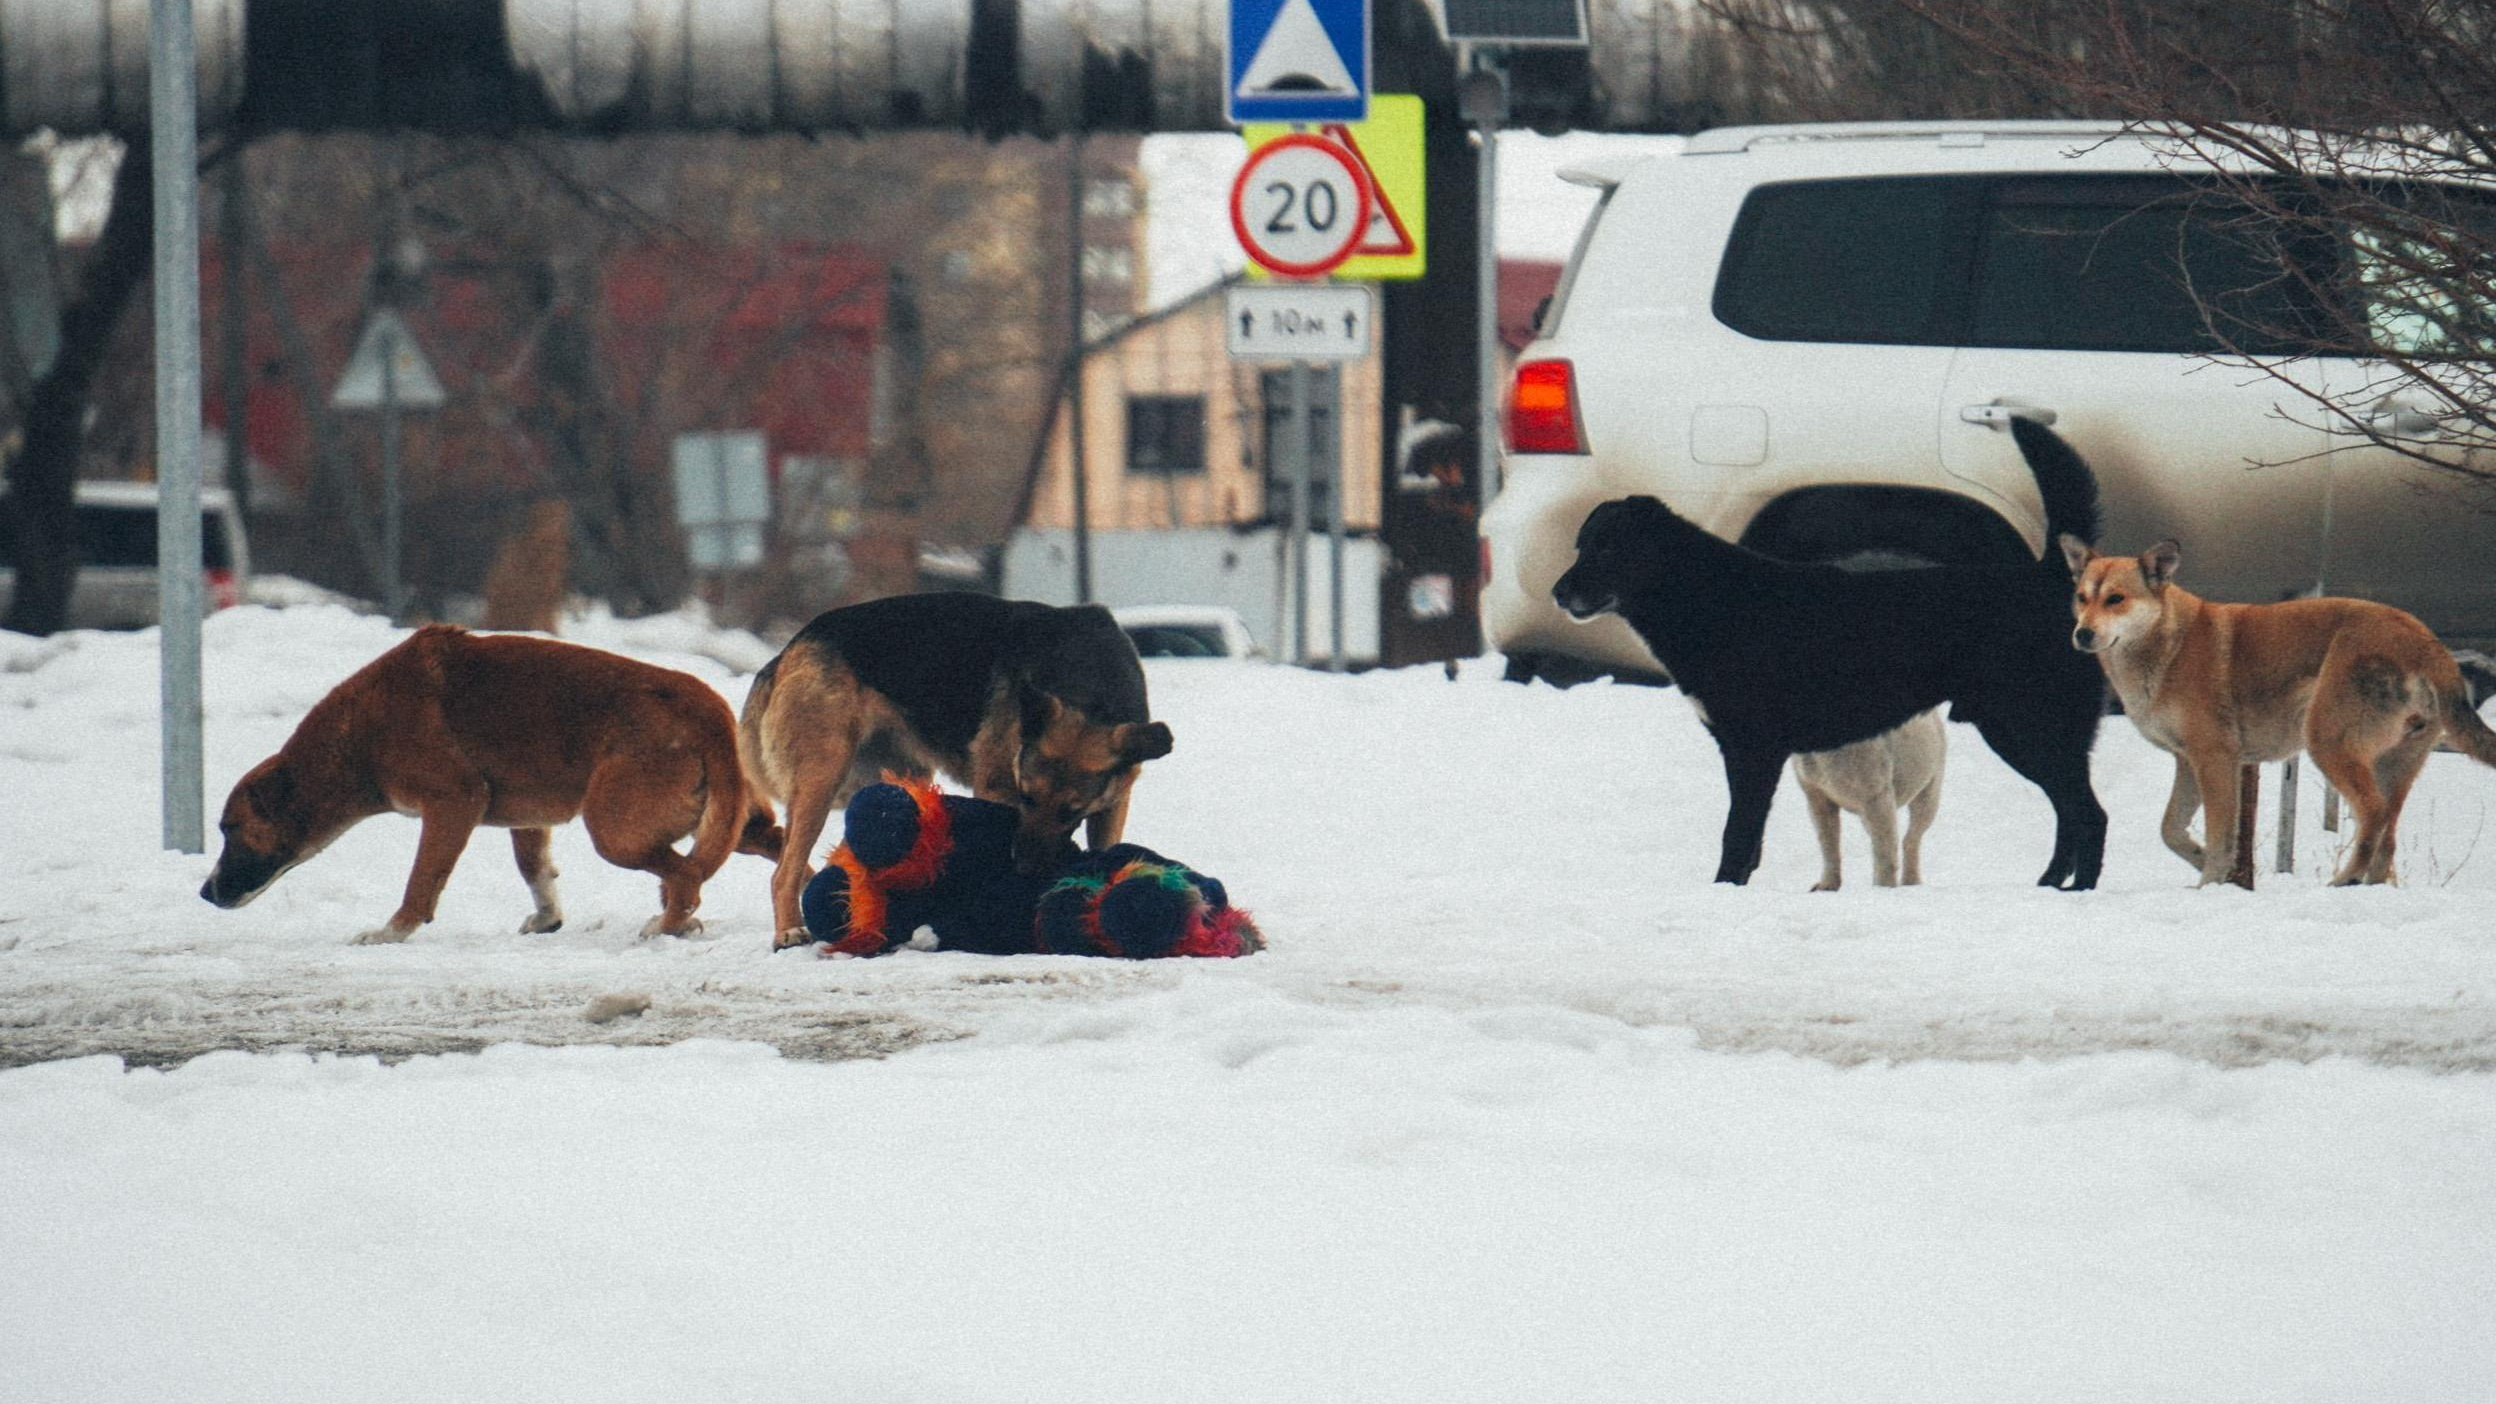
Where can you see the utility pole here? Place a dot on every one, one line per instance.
(1074, 368)
(1482, 98)
(173, 120)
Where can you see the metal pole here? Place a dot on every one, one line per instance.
(393, 512)
(1298, 434)
(2285, 859)
(2248, 805)
(1486, 100)
(233, 379)
(1074, 392)
(1334, 536)
(173, 120)
(2322, 586)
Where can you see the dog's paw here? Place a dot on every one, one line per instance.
(380, 936)
(1825, 885)
(657, 926)
(538, 923)
(794, 936)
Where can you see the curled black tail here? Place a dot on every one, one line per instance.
(2064, 483)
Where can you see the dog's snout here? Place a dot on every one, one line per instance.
(2084, 639)
(208, 890)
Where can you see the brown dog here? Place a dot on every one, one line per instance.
(1028, 704)
(463, 729)
(2362, 687)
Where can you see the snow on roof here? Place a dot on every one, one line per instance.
(1188, 175)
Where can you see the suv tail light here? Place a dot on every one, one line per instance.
(221, 591)
(1542, 410)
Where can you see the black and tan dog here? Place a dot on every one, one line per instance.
(1031, 705)
(523, 733)
(1783, 658)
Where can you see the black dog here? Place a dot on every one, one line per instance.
(1781, 658)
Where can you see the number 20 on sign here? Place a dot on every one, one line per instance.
(1300, 205)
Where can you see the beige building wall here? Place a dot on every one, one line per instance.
(1181, 353)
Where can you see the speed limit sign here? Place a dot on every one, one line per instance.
(1301, 205)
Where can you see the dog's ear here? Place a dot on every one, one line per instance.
(1139, 742)
(2076, 553)
(2158, 563)
(272, 793)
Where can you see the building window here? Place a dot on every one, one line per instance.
(1108, 263)
(1165, 434)
(1109, 198)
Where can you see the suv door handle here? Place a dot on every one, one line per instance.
(1998, 414)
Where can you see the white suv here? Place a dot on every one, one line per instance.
(1809, 339)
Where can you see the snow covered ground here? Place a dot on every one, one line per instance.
(1517, 1106)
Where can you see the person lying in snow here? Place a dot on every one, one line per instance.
(913, 859)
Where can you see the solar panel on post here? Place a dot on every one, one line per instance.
(1516, 22)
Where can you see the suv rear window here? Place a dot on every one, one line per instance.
(2088, 263)
(119, 536)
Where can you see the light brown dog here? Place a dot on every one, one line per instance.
(1031, 705)
(525, 587)
(464, 729)
(2363, 688)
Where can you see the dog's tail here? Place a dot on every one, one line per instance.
(2064, 483)
(724, 809)
(2462, 726)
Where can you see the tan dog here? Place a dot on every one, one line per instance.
(464, 729)
(1031, 705)
(1871, 780)
(525, 587)
(2362, 687)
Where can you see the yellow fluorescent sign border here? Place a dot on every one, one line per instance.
(1389, 143)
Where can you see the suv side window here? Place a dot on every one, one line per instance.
(1844, 260)
(2077, 263)
(2122, 264)
(2422, 297)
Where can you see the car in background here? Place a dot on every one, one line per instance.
(1812, 339)
(1187, 631)
(116, 526)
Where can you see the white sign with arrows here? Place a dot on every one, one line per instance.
(1299, 321)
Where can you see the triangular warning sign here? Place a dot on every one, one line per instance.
(1386, 236)
(1298, 57)
(411, 383)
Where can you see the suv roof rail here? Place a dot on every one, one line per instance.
(1722, 141)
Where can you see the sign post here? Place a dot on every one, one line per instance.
(1303, 204)
(388, 372)
(1305, 322)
